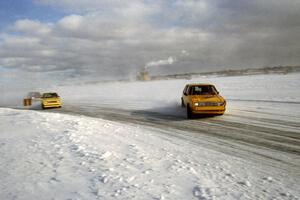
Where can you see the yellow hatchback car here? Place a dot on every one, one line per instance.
(51, 100)
(202, 99)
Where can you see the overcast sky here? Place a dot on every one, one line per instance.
(65, 39)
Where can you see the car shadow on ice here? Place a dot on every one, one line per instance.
(168, 113)
(36, 107)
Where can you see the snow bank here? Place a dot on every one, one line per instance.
(278, 88)
(57, 156)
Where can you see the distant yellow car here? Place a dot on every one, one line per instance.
(51, 100)
(202, 99)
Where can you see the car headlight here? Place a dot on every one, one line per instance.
(221, 103)
(200, 104)
(210, 103)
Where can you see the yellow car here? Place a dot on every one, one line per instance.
(202, 99)
(51, 100)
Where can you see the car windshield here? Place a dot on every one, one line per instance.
(202, 90)
(50, 95)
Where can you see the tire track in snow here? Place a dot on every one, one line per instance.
(251, 135)
(265, 101)
(258, 135)
(269, 121)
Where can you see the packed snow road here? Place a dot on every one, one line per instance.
(261, 129)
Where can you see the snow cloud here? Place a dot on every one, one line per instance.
(114, 38)
(168, 61)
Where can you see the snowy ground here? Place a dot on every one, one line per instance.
(252, 152)
(57, 156)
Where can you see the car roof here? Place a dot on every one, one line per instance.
(199, 84)
(50, 93)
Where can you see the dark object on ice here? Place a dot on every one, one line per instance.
(27, 102)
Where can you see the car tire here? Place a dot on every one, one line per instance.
(43, 107)
(189, 112)
(182, 103)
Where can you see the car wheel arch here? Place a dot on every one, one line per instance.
(182, 103)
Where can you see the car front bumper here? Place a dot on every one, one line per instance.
(52, 105)
(218, 110)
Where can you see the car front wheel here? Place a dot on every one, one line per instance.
(189, 112)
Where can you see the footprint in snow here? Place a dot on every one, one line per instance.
(268, 179)
(105, 155)
(2, 144)
(53, 180)
(202, 193)
(245, 183)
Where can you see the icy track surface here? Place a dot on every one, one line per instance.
(132, 141)
(59, 156)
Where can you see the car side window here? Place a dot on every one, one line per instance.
(189, 91)
(215, 90)
(185, 89)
